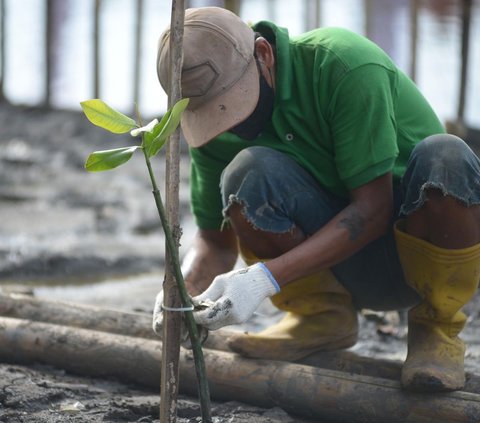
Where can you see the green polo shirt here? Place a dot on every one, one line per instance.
(343, 111)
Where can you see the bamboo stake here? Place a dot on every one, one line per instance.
(302, 390)
(174, 288)
(96, 49)
(185, 299)
(172, 322)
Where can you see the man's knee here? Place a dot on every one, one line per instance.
(252, 162)
(444, 162)
(441, 150)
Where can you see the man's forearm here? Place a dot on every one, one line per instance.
(210, 255)
(200, 269)
(360, 223)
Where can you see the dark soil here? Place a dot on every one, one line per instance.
(41, 394)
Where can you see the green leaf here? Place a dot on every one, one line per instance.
(154, 141)
(150, 137)
(100, 114)
(99, 161)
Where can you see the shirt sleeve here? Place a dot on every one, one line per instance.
(206, 166)
(205, 199)
(363, 125)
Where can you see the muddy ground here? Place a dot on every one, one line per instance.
(95, 238)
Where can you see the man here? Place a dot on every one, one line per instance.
(324, 166)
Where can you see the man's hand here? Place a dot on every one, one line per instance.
(233, 297)
(157, 324)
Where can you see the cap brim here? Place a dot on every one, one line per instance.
(223, 112)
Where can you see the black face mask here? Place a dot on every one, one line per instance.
(251, 127)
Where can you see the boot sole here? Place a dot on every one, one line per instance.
(295, 351)
(430, 383)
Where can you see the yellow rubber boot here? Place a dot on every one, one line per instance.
(320, 317)
(446, 280)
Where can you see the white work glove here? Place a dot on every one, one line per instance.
(233, 297)
(157, 324)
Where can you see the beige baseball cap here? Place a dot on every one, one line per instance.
(219, 72)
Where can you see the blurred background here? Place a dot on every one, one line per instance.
(56, 53)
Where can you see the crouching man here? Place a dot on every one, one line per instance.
(320, 162)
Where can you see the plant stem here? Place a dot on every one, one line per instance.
(204, 392)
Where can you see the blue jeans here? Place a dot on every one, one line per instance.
(278, 194)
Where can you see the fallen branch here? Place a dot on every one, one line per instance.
(77, 315)
(139, 325)
(302, 390)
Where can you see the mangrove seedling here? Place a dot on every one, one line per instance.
(153, 136)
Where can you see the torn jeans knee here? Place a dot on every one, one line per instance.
(275, 192)
(444, 162)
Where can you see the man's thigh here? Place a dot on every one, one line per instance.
(277, 194)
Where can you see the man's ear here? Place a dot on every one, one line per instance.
(264, 52)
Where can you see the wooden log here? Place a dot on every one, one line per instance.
(139, 325)
(301, 390)
(77, 315)
(90, 317)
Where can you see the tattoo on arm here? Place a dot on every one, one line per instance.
(354, 223)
